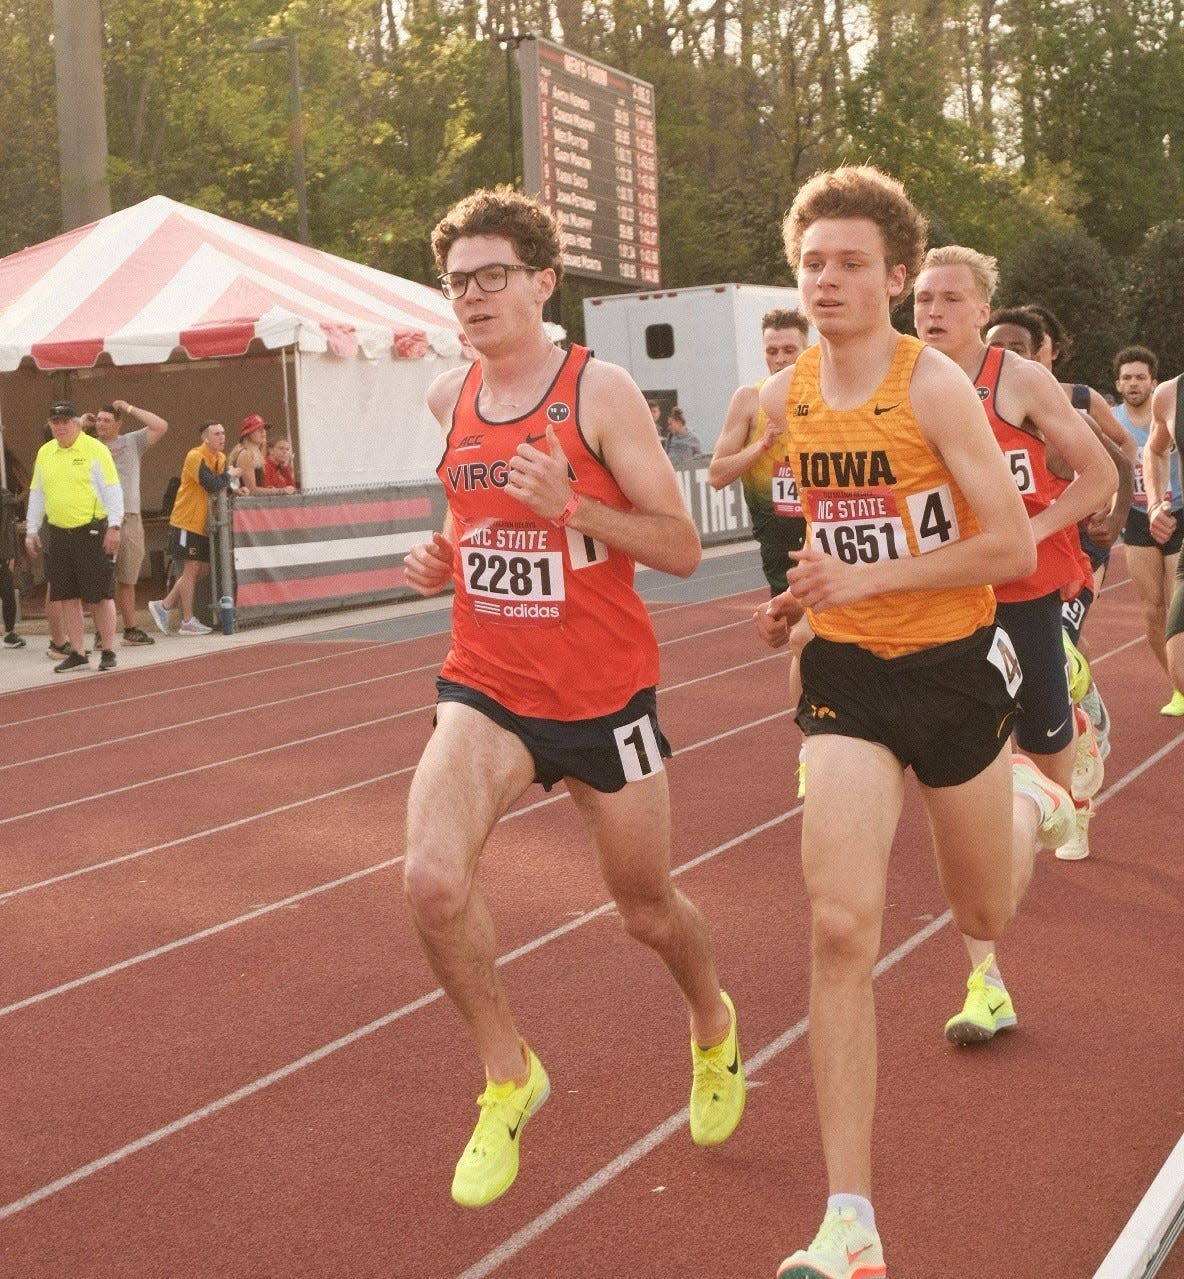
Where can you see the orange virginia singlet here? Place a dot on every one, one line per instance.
(545, 620)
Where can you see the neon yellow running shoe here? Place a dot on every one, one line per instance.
(802, 773)
(490, 1163)
(1176, 706)
(1077, 669)
(1057, 820)
(842, 1249)
(717, 1088)
(988, 1008)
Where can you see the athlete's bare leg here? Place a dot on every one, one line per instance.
(631, 831)
(845, 851)
(1151, 571)
(984, 837)
(470, 773)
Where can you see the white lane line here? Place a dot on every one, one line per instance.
(229, 761)
(352, 1037)
(234, 712)
(211, 931)
(1145, 1241)
(577, 1197)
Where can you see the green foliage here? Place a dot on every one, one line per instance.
(1006, 121)
(1075, 277)
(30, 195)
(1153, 296)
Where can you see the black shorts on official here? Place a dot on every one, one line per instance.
(1044, 724)
(1137, 532)
(603, 753)
(76, 566)
(184, 545)
(945, 712)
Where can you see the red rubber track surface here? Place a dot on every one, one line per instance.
(223, 1054)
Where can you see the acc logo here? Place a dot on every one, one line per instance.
(558, 412)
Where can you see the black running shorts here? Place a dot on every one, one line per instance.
(604, 753)
(945, 711)
(1044, 724)
(1137, 532)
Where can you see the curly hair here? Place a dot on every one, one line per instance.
(504, 212)
(1022, 317)
(782, 318)
(861, 191)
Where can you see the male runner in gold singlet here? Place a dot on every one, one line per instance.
(911, 512)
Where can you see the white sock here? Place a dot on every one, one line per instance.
(864, 1211)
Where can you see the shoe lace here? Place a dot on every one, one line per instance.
(832, 1234)
(711, 1068)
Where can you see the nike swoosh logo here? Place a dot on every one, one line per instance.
(1052, 732)
(534, 439)
(994, 1008)
(851, 1256)
(521, 1117)
(885, 408)
(734, 1068)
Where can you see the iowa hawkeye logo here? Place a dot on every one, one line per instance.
(862, 468)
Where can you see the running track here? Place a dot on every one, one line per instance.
(223, 1055)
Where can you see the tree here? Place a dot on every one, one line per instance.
(1153, 296)
(1074, 276)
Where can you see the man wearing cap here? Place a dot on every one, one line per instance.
(76, 492)
(250, 453)
(204, 473)
(126, 451)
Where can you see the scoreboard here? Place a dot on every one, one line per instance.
(590, 151)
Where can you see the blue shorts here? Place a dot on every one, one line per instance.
(604, 753)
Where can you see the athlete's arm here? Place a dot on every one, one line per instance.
(1104, 526)
(618, 427)
(1029, 390)
(428, 566)
(1111, 427)
(1157, 459)
(734, 456)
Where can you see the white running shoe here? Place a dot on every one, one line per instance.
(1076, 847)
(160, 616)
(1088, 769)
(1057, 820)
(191, 626)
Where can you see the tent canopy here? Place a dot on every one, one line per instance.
(161, 276)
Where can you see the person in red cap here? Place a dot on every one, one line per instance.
(250, 453)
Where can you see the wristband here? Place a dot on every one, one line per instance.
(564, 517)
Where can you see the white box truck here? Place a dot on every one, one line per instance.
(692, 347)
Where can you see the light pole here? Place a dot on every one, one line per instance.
(268, 45)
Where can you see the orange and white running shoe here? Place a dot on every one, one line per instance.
(1057, 816)
(843, 1248)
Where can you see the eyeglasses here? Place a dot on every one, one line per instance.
(490, 279)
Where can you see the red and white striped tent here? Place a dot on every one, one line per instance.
(338, 352)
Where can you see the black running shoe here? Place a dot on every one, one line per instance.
(107, 661)
(75, 662)
(58, 651)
